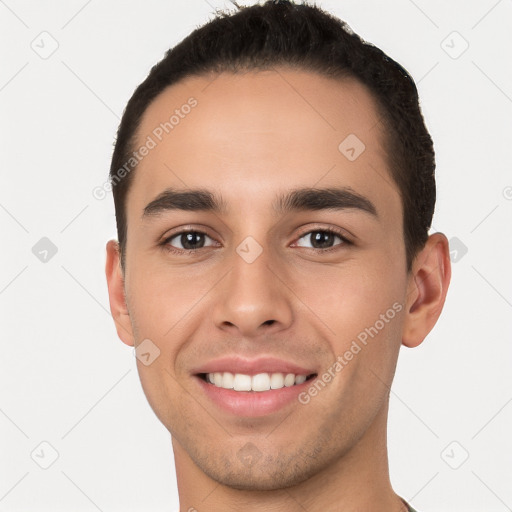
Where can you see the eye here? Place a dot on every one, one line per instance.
(186, 241)
(190, 241)
(322, 239)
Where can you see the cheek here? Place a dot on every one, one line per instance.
(161, 306)
(352, 297)
(163, 297)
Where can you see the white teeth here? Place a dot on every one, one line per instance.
(242, 382)
(300, 379)
(277, 380)
(289, 380)
(228, 380)
(259, 382)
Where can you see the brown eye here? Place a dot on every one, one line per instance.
(187, 240)
(322, 239)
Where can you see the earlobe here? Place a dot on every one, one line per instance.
(115, 282)
(428, 286)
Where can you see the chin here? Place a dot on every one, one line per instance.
(269, 476)
(252, 482)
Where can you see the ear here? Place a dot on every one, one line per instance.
(115, 281)
(427, 288)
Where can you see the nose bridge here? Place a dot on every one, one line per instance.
(252, 296)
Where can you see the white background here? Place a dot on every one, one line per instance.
(65, 377)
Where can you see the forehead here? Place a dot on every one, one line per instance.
(261, 131)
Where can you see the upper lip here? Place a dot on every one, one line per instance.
(236, 364)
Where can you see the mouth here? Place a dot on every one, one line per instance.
(260, 395)
(252, 388)
(258, 383)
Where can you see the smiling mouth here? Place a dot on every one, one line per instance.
(254, 383)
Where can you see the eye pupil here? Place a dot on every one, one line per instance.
(323, 237)
(187, 240)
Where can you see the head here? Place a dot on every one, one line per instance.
(263, 129)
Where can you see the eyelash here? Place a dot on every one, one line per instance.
(192, 252)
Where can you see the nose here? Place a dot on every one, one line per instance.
(253, 298)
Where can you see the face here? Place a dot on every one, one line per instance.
(260, 293)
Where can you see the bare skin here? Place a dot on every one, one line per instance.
(251, 137)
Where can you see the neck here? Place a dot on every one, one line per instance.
(359, 480)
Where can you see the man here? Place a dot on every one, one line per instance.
(274, 186)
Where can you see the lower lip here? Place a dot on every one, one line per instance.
(253, 403)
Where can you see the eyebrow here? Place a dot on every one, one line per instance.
(301, 199)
